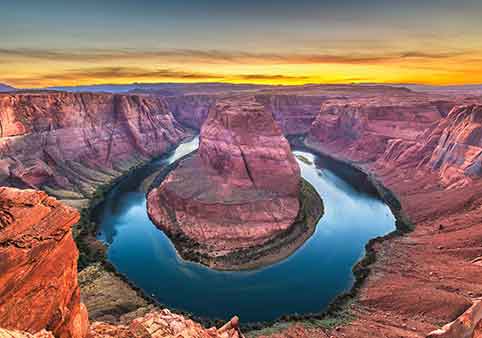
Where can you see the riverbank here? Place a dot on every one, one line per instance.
(335, 314)
(340, 311)
(424, 279)
(273, 251)
(108, 295)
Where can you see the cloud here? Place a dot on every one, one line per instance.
(219, 56)
(96, 74)
(275, 77)
(425, 55)
(102, 74)
(133, 72)
(106, 73)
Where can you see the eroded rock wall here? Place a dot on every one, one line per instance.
(191, 110)
(38, 265)
(69, 143)
(294, 113)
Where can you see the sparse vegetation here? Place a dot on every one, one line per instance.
(303, 159)
(92, 250)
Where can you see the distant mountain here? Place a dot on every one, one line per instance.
(6, 88)
(163, 88)
(471, 89)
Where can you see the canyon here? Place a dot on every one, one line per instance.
(425, 147)
(68, 144)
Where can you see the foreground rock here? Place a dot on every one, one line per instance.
(39, 292)
(156, 324)
(21, 334)
(108, 297)
(38, 265)
(164, 324)
(239, 192)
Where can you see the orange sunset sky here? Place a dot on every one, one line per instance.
(56, 43)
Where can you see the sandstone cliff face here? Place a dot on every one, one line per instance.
(67, 144)
(242, 143)
(365, 126)
(451, 148)
(164, 324)
(38, 265)
(458, 153)
(238, 191)
(191, 110)
(407, 133)
(294, 113)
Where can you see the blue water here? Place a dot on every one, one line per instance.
(304, 282)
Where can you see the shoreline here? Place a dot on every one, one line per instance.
(336, 309)
(275, 250)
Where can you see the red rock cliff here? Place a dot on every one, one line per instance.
(38, 265)
(363, 126)
(458, 153)
(191, 110)
(69, 143)
(451, 148)
(294, 112)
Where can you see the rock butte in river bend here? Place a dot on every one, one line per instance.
(239, 191)
(427, 156)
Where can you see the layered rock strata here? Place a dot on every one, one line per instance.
(191, 110)
(164, 324)
(38, 265)
(364, 127)
(239, 191)
(430, 276)
(294, 113)
(70, 143)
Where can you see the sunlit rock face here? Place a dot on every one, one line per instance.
(409, 132)
(457, 154)
(239, 191)
(363, 127)
(38, 265)
(164, 324)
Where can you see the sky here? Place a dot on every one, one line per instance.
(63, 42)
